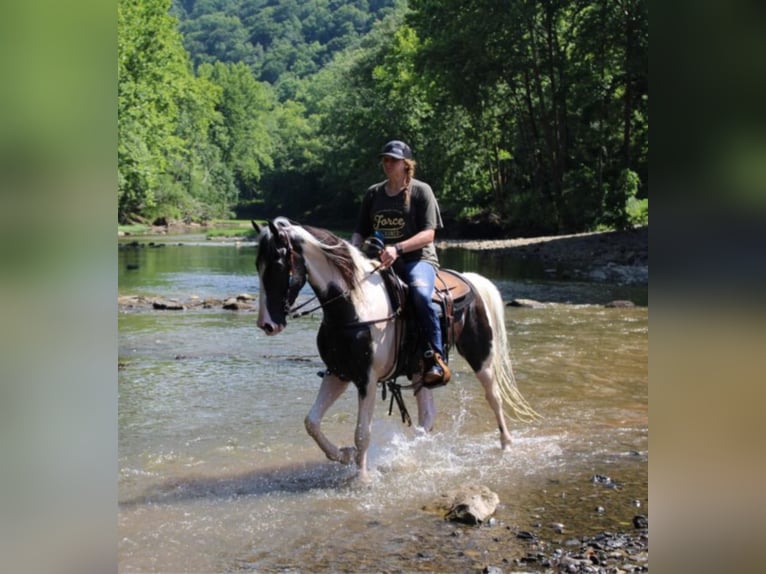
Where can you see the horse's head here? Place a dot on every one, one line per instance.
(281, 272)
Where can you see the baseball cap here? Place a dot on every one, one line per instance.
(397, 149)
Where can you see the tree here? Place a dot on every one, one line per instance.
(244, 138)
(535, 112)
(150, 60)
(552, 84)
(218, 37)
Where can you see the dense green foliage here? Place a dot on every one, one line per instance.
(529, 117)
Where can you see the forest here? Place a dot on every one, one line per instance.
(526, 117)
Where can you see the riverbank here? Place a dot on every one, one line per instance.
(620, 257)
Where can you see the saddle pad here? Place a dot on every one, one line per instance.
(452, 282)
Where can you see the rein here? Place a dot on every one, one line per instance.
(292, 312)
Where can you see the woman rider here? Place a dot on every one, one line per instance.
(403, 211)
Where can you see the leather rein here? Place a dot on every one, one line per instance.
(292, 311)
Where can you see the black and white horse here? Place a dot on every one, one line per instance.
(357, 337)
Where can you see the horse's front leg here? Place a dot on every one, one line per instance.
(329, 391)
(363, 430)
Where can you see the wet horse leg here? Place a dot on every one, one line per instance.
(362, 433)
(426, 409)
(492, 394)
(329, 392)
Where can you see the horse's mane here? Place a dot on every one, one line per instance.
(338, 252)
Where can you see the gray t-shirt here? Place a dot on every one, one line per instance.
(396, 221)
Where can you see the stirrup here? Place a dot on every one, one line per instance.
(438, 374)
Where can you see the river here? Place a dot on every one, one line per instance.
(217, 474)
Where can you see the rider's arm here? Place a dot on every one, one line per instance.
(417, 241)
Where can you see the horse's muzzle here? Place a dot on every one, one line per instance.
(270, 328)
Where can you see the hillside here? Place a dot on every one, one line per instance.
(276, 38)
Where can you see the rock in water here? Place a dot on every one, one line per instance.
(620, 303)
(530, 303)
(469, 504)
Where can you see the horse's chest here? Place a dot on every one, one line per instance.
(346, 350)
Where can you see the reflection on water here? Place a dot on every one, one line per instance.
(217, 473)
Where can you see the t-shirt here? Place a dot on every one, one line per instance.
(397, 222)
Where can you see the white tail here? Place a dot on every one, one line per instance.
(502, 368)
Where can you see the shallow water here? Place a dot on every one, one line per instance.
(217, 473)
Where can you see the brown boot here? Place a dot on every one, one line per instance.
(436, 372)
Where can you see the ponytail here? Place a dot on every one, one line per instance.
(409, 168)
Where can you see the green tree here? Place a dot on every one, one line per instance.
(189, 145)
(244, 137)
(558, 89)
(533, 111)
(164, 114)
(218, 37)
(150, 60)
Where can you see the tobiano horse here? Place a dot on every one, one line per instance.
(357, 339)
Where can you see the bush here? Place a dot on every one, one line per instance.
(622, 210)
(637, 211)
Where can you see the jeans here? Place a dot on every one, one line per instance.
(421, 278)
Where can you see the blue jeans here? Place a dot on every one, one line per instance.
(421, 278)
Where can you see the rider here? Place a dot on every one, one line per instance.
(403, 211)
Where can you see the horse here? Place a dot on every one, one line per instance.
(358, 335)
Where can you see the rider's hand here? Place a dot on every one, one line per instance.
(388, 255)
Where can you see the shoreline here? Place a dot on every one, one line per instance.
(618, 257)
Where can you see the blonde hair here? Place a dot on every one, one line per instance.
(409, 170)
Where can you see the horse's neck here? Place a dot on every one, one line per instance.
(322, 273)
(371, 298)
(368, 296)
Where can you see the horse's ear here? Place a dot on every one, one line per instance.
(255, 226)
(279, 235)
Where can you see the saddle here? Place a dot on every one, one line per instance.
(452, 293)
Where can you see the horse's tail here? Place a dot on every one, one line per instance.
(502, 368)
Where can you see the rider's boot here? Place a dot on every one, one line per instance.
(436, 372)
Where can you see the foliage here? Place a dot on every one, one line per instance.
(189, 143)
(244, 232)
(243, 137)
(532, 114)
(634, 211)
(164, 115)
(559, 90)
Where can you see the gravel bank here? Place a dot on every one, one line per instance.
(614, 256)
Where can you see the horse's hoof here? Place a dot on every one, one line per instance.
(505, 444)
(363, 479)
(347, 455)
